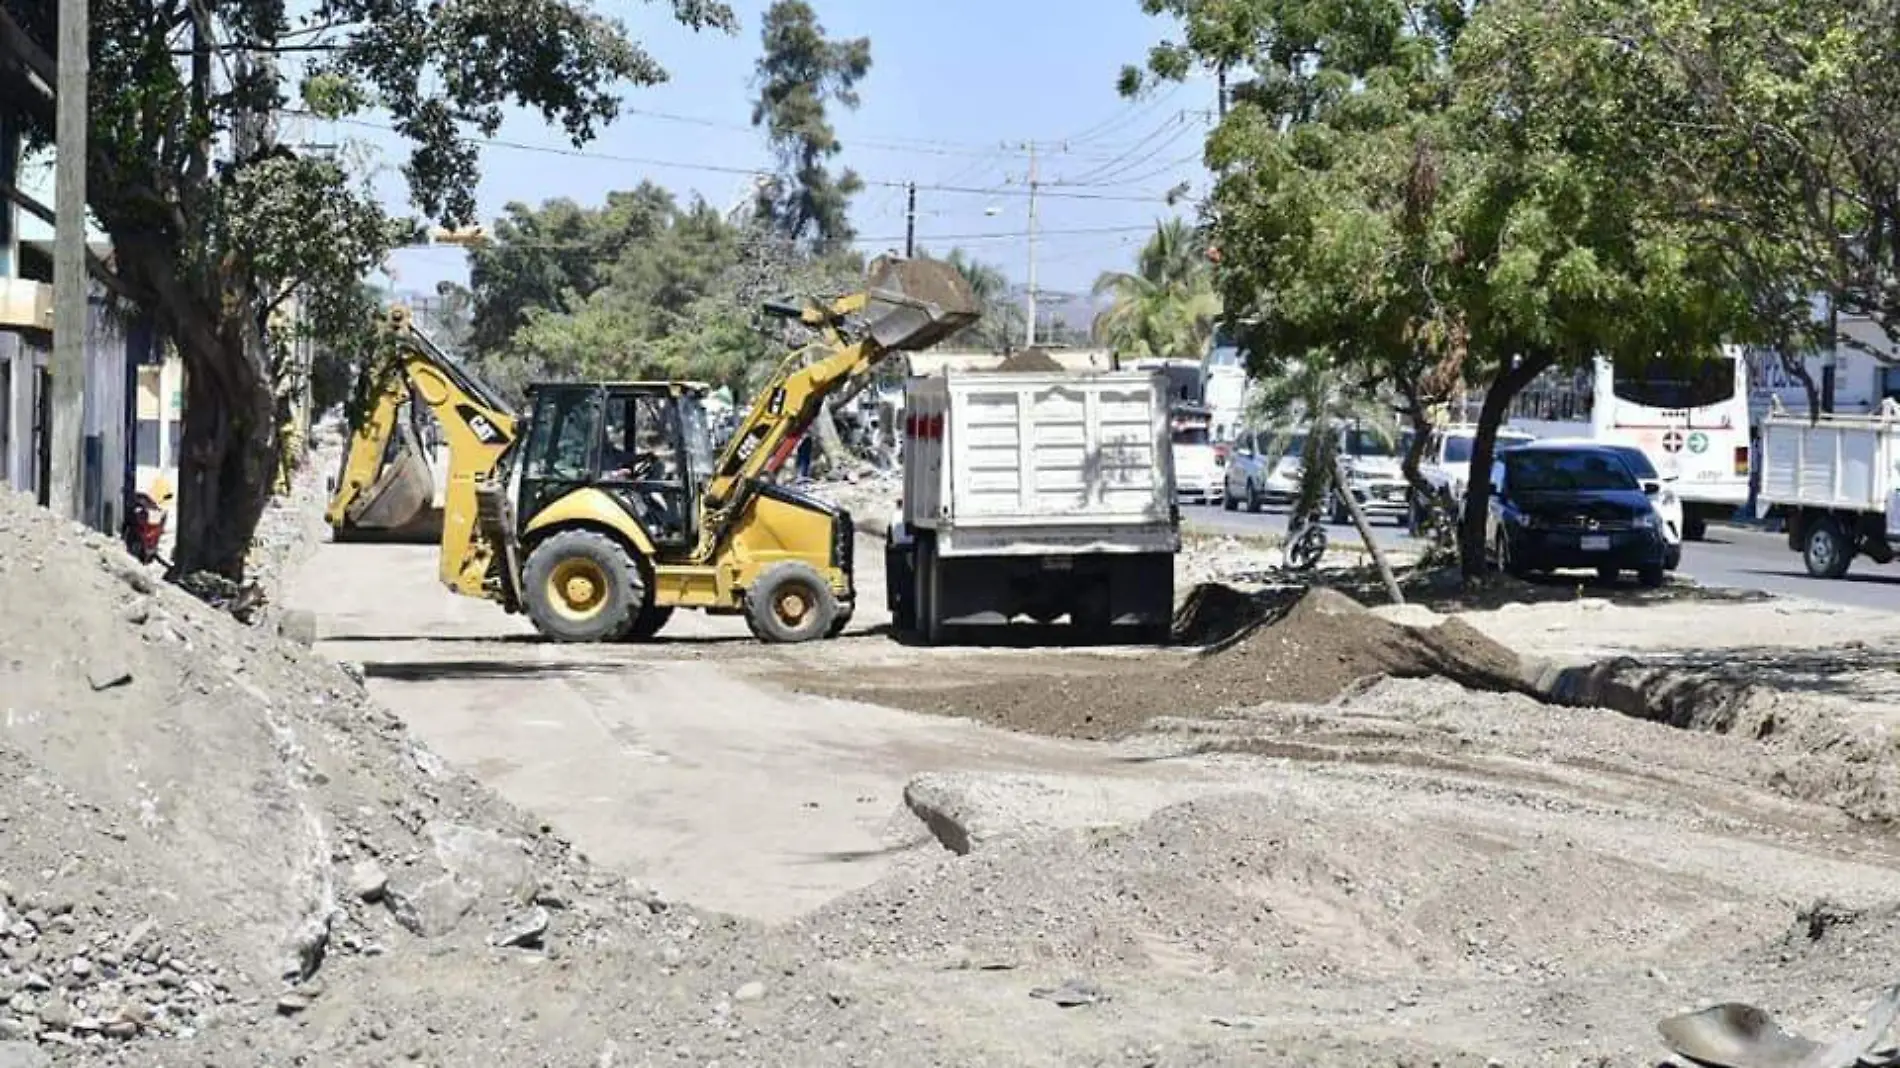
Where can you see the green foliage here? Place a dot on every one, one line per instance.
(639, 288)
(212, 245)
(800, 73)
(1166, 308)
(1775, 130)
(1410, 197)
(1003, 319)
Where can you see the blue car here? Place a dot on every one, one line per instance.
(1557, 507)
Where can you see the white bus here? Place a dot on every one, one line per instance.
(1691, 419)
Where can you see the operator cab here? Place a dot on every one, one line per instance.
(646, 444)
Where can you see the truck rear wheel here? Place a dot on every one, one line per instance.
(900, 587)
(581, 586)
(790, 603)
(929, 604)
(1827, 551)
(1695, 524)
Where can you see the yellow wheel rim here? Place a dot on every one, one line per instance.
(792, 607)
(577, 588)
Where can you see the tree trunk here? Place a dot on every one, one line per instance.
(1342, 487)
(1477, 505)
(831, 451)
(228, 459)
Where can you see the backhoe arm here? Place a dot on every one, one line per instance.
(479, 427)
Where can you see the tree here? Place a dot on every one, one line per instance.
(210, 246)
(799, 74)
(551, 256)
(1167, 307)
(1311, 398)
(1777, 131)
(1396, 203)
(1002, 319)
(622, 326)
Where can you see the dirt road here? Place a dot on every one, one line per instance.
(674, 761)
(1416, 870)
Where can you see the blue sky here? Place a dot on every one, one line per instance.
(955, 88)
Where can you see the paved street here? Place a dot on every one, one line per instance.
(1731, 557)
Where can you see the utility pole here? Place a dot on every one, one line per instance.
(1220, 89)
(1030, 328)
(71, 311)
(910, 224)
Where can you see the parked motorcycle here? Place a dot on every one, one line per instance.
(144, 528)
(1305, 542)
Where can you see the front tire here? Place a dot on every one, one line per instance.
(791, 602)
(1827, 552)
(1229, 502)
(581, 586)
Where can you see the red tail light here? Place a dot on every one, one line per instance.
(1741, 459)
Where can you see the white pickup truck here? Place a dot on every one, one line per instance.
(1038, 495)
(1836, 483)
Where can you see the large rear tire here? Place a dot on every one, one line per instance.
(581, 586)
(791, 602)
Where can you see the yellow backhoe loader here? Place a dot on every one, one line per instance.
(605, 508)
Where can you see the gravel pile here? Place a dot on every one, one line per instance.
(211, 833)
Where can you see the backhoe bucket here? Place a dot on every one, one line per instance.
(916, 303)
(400, 504)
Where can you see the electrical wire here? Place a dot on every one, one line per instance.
(714, 168)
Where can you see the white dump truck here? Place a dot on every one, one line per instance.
(1835, 481)
(1037, 495)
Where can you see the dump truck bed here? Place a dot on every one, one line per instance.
(1030, 463)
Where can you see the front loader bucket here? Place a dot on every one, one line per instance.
(916, 303)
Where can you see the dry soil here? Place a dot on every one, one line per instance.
(220, 850)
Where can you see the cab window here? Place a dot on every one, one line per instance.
(565, 432)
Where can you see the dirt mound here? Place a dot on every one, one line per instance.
(1030, 361)
(205, 826)
(1315, 652)
(1215, 612)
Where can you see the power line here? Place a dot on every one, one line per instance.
(1165, 169)
(1124, 118)
(914, 145)
(1095, 174)
(714, 168)
(991, 235)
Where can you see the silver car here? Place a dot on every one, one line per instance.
(1255, 479)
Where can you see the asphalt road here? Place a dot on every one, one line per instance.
(1731, 557)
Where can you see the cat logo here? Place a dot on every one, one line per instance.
(777, 403)
(481, 426)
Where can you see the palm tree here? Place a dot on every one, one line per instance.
(1167, 308)
(1310, 396)
(1002, 318)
